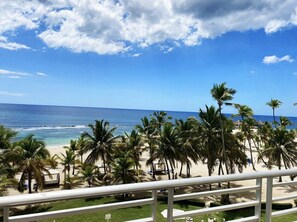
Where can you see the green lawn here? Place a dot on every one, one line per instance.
(137, 212)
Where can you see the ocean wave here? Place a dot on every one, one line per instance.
(50, 127)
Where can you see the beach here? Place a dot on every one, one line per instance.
(197, 170)
(56, 126)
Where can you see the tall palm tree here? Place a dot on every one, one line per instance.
(148, 130)
(29, 154)
(159, 118)
(222, 94)
(274, 103)
(100, 142)
(168, 144)
(210, 123)
(189, 141)
(243, 111)
(67, 160)
(82, 147)
(280, 148)
(247, 122)
(134, 144)
(74, 148)
(235, 150)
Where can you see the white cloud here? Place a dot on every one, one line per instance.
(5, 44)
(274, 59)
(136, 55)
(10, 73)
(41, 74)
(14, 77)
(295, 73)
(5, 93)
(112, 27)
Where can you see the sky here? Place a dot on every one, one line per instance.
(157, 54)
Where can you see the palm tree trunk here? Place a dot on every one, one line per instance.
(167, 169)
(29, 181)
(188, 170)
(73, 168)
(223, 141)
(172, 169)
(104, 165)
(280, 167)
(273, 113)
(251, 153)
(181, 169)
(258, 150)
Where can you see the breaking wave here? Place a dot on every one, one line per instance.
(50, 128)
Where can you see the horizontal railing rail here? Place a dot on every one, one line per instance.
(12, 201)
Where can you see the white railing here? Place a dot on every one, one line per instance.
(11, 201)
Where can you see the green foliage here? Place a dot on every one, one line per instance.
(278, 206)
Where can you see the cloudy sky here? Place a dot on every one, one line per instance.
(157, 54)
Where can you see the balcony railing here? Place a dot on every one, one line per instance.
(258, 177)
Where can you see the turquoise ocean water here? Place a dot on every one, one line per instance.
(56, 125)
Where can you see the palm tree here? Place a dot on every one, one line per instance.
(168, 144)
(280, 148)
(222, 94)
(210, 123)
(159, 118)
(30, 155)
(189, 141)
(67, 160)
(284, 121)
(149, 132)
(5, 137)
(74, 148)
(234, 149)
(244, 111)
(89, 172)
(100, 142)
(274, 103)
(82, 146)
(134, 144)
(123, 168)
(247, 122)
(8, 170)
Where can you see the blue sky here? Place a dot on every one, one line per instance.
(159, 55)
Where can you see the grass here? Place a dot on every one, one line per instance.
(137, 212)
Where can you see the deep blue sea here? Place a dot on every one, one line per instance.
(56, 125)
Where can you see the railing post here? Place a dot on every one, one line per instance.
(154, 205)
(170, 205)
(269, 199)
(5, 214)
(258, 198)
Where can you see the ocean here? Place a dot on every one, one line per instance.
(57, 125)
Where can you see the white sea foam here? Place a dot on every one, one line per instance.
(50, 128)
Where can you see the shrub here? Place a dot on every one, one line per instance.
(278, 206)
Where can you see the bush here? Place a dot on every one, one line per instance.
(278, 206)
(193, 202)
(215, 204)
